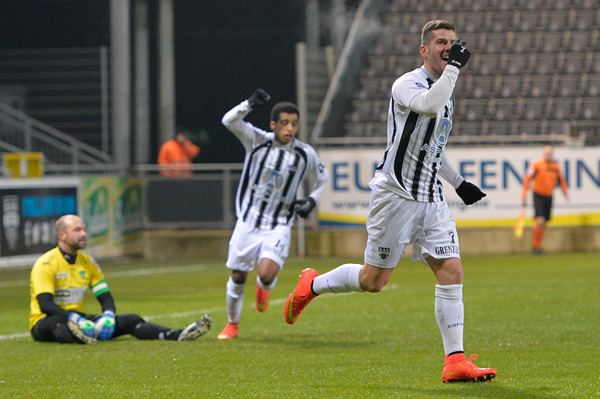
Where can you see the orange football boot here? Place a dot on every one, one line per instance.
(262, 298)
(301, 296)
(458, 368)
(230, 331)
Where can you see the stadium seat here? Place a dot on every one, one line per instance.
(467, 129)
(557, 127)
(578, 42)
(492, 43)
(517, 64)
(533, 109)
(486, 64)
(568, 85)
(530, 4)
(479, 5)
(551, 42)
(407, 44)
(504, 109)
(483, 86)
(520, 42)
(585, 4)
(474, 22)
(558, 5)
(501, 22)
(474, 110)
(528, 21)
(561, 108)
(591, 88)
(589, 108)
(503, 128)
(544, 64)
(510, 86)
(539, 85)
(557, 21)
(594, 63)
(573, 63)
(584, 20)
(531, 128)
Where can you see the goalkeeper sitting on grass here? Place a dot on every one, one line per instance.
(59, 279)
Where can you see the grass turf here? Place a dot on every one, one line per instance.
(534, 319)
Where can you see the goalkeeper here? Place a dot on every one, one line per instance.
(59, 279)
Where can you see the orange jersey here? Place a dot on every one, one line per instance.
(545, 175)
(178, 157)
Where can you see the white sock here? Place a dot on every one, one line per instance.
(450, 315)
(267, 287)
(344, 278)
(235, 301)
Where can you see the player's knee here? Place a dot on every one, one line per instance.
(267, 278)
(239, 277)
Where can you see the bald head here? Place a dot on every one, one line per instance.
(70, 230)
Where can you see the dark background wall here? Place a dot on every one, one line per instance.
(223, 51)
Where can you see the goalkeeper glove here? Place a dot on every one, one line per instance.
(105, 326)
(458, 54)
(305, 207)
(85, 325)
(469, 193)
(258, 98)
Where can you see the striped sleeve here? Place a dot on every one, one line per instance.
(100, 288)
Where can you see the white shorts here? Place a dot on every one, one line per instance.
(248, 245)
(394, 223)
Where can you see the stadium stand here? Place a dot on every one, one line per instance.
(535, 69)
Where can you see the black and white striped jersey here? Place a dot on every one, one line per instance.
(272, 173)
(417, 133)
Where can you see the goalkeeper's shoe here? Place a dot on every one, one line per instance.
(230, 331)
(458, 368)
(196, 329)
(78, 333)
(300, 297)
(262, 298)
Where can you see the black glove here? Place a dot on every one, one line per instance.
(305, 207)
(469, 193)
(458, 55)
(258, 98)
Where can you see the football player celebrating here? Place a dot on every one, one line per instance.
(407, 204)
(59, 279)
(275, 165)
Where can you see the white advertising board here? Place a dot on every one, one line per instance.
(498, 171)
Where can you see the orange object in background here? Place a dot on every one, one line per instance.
(176, 156)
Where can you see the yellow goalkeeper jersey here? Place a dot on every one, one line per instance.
(52, 274)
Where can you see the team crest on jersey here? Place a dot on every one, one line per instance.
(383, 252)
(421, 85)
(443, 132)
(272, 179)
(82, 273)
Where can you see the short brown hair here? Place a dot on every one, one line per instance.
(284, 106)
(430, 26)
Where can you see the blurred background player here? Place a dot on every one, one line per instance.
(176, 155)
(407, 205)
(274, 167)
(59, 280)
(545, 174)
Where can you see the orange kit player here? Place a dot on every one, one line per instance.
(545, 173)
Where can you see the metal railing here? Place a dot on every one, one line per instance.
(18, 131)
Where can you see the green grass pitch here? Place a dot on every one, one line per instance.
(535, 319)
